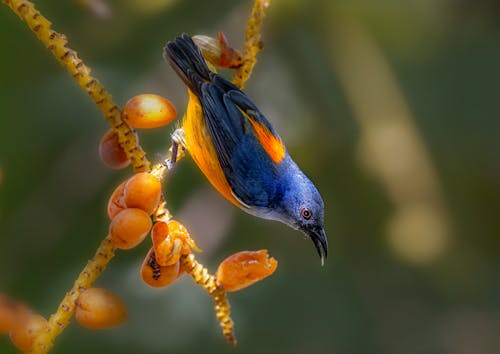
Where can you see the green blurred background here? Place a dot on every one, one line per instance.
(391, 107)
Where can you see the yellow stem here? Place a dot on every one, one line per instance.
(59, 320)
(160, 171)
(202, 277)
(253, 43)
(58, 45)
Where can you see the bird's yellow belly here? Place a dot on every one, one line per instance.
(201, 149)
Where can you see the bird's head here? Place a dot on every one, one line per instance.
(301, 207)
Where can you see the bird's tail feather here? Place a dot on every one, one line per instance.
(187, 61)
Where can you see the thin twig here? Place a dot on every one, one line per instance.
(253, 42)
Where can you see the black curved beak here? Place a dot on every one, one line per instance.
(318, 237)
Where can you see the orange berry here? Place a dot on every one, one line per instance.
(244, 268)
(110, 151)
(11, 313)
(148, 111)
(25, 332)
(100, 308)
(143, 191)
(116, 202)
(129, 227)
(156, 275)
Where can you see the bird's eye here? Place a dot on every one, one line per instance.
(306, 213)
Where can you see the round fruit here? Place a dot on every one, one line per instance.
(11, 313)
(148, 111)
(158, 276)
(143, 191)
(111, 152)
(116, 202)
(25, 332)
(100, 308)
(129, 227)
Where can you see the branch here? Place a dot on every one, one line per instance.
(253, 43)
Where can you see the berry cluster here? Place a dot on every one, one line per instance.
(130, 208)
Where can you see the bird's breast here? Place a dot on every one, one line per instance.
(201, 149)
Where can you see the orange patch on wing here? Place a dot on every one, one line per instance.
(271, 144)
(201, 149)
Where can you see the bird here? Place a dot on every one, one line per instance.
(240, 152)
